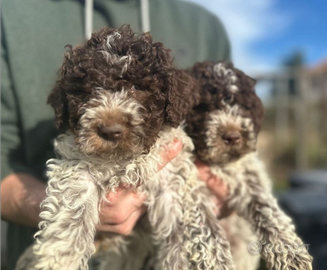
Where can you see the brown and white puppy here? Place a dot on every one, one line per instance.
(117, 91)
(225, 124)
(224, 128)
(121, 102)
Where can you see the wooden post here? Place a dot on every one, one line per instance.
(281, 106)
(301, 119)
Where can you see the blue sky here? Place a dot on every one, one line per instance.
(264, 32)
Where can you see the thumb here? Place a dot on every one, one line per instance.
(171, 151)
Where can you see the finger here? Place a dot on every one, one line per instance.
(125, 227)
(204, 175)
(170, 153)
(203, 171)
(218, 187)
(117, 196)
(120, 193)
(199, 164)
(221, 208)
(119, 212)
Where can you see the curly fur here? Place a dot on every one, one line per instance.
(122, 79)
(135, 251)
(229, 105)
(239, 234)
(115, 60)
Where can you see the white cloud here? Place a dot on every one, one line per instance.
(248, 22)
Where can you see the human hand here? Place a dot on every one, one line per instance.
(218, 188)
(21, 196)
(125, 206)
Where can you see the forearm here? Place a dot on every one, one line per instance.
(21, 195)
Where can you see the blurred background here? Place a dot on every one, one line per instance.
(282, 44)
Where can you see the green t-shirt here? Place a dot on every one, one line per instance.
(34, 34)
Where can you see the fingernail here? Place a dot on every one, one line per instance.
(177, 144)
(210, 182)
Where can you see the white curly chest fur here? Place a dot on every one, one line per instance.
(179, 207)
(250, 194)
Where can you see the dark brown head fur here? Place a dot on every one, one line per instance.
(120, 83)
(228, 116)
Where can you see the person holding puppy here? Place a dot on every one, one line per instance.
(34, 34)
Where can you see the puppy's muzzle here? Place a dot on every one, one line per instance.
(232, 138)
(111, 133)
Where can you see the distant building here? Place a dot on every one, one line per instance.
(317, 95)
(317, 82)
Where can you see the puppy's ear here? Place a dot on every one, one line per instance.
(252, 82)
(57, 99)
(183, 94)
(147, 37)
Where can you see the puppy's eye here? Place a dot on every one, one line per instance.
(229, 99)
(75, 92)
(135, 88)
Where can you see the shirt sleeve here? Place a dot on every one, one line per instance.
(12, 151)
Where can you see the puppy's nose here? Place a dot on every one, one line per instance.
(111, 133)
(232, 138)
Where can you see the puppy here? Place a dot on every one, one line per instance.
(224, 128)
(121, 102)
